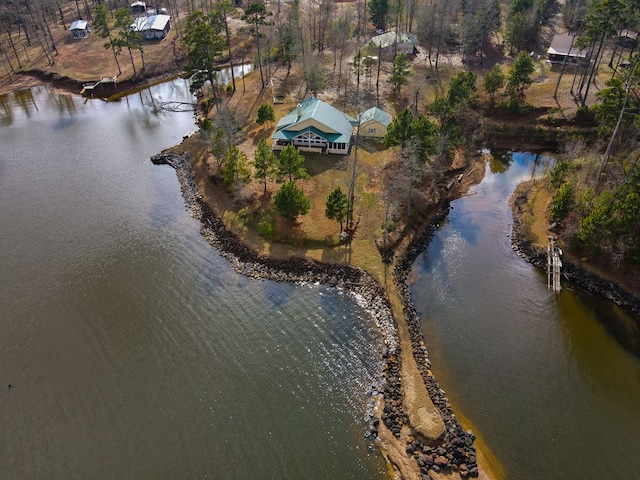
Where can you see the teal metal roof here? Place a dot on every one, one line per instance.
(377, 115)
(289, 135)
(323, 113)
(389, 38)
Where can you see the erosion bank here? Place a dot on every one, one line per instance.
(420, 433)
(124, 86)
(522, 242)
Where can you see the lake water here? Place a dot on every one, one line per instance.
(132, 350)
(551, 392)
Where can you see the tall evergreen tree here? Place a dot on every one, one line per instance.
(204, 46)
(336, 206)
(127, 37)
(291, 164)
(290, 201)
(265, 162)
(519, 77)
(493, 81)
(103, 28)
(378, 10)
(255, 15)
(400, 72)
(235, 168)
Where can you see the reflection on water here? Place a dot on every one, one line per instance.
(132, 348)
(551, 392)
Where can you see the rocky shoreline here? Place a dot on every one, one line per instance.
(457, 451)
(522, 245)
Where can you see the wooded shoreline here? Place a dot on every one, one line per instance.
(521, 243)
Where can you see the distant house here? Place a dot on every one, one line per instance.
(79, 29)
(563, 46)
(138, 7)
(315, 126)
(374, 123)
(404, 43)
(627, 38)
(153, 27)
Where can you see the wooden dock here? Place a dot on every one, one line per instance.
(88, 88)
(554, 265)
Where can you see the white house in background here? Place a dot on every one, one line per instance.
(79, 29)
(405, 43)
(153, 27)
(315, 126)
(563, 46)
(374, 123)
(138, 7)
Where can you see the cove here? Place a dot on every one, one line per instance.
(548, 388)
(132, 348)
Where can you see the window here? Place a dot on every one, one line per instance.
(372, 130)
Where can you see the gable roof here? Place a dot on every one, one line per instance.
(152, 22)
(561, 44)
(78, 25)
(376, 115)
(316, 116)
(389, 38)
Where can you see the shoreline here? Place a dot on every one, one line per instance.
(584, 278)
(412, 455)
(34, 78)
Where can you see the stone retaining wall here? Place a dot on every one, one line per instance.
(457, 451)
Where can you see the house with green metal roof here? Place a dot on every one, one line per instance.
(374, 123)
(315, 126)
(404, 43)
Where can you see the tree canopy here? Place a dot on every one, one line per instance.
(400, 72)
(290, 201)
(264, 163)
(235, 168)
(103, 28)
(519, 77)
(265, 114)
(336, 206)
(493, 81)
(204, 46)
(291, 164)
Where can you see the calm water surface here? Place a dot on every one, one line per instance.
(131, 348)
(553, 395)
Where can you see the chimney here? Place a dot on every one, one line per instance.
(299, 110)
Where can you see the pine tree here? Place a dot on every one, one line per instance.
(400, 72)
(493, 81)
(264, 163)
(265, 114)
(336, 206)
(290, 201)
(520, 77)
(235, 168)
(291, 164)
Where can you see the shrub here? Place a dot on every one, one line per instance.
(557, 173)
